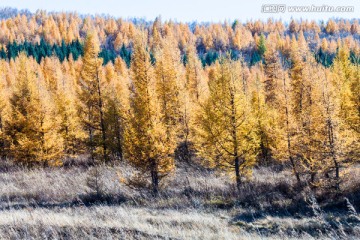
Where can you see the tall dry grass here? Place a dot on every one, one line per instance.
(81, 202)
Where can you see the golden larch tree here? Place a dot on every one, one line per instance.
(116, 113)
(226, 126)
(91, 98)
(32, 126)
(167, 75)
(146, 142)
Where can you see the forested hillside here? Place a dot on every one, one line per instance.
(163, 96)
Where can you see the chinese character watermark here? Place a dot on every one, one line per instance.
(281, 8)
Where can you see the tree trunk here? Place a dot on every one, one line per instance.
(119, 138)
(91, 136)
(292, 160)
(102, 123)
(119, 147)
(288, 136)
(235, 141)
(264, 153)
(312, 178)
(333, 154)
(154, 177)
(237, 173)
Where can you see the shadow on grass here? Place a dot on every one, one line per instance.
(100, 199)
(89, 199)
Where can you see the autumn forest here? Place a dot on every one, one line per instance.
(163, 96)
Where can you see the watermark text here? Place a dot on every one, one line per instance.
(282, 8)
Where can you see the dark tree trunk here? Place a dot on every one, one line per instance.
(237, 173)
(102, 122)
(291, 159)
(119, 139)
(333, 154)
(154, 177)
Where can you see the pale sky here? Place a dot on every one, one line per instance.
(186, 10)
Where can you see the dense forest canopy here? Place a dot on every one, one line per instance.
(229, 95)
(44, 34)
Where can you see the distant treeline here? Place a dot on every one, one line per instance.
(62, 51)
(76, 49)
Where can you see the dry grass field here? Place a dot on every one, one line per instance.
(86, 203)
